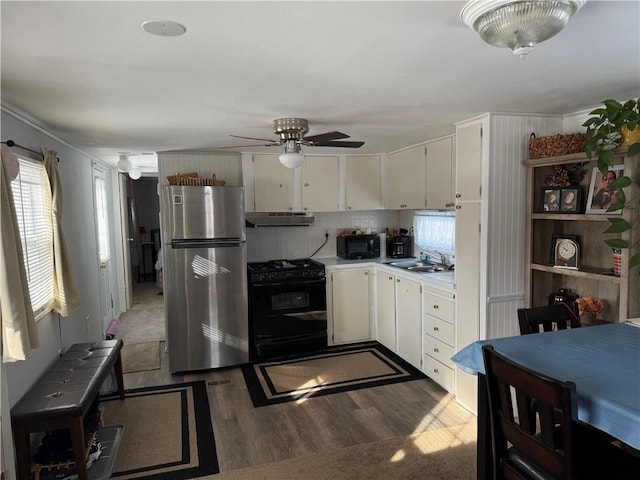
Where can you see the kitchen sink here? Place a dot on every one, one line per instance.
(406, 264)
(419, 267)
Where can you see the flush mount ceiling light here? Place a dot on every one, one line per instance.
(518, 25)
(135, 174)
(291, 158)
(163, 28)
(124, 164)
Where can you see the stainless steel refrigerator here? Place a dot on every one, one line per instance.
(205, 276)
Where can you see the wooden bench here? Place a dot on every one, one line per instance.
(61, 397)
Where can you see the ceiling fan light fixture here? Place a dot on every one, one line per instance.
(518, 24)
(124, 164)
(291, 160)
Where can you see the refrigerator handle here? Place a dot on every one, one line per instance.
(206, 243)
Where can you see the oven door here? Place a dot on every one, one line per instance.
(287, 316)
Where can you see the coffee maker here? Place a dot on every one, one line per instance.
(399, 246)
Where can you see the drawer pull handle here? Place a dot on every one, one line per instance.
(435, 370)
(436, 349)
(435, 329)
(435, 307)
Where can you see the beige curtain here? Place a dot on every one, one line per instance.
(66, 292)
(19, 334)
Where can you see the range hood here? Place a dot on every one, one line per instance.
(286, 219)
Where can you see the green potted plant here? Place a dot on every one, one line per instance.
(611, 126)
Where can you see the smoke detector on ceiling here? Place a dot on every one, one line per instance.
(163, 28)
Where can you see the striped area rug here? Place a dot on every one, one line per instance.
(339, 369)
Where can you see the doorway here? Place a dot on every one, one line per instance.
(144, 320)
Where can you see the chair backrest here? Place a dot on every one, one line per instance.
(551, 317)
(541, 438)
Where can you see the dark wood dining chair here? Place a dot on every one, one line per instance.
(557, 316)
(548, 442)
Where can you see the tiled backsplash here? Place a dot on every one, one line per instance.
(300, 242)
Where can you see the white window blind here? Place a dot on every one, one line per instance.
(32, 199)
(102, 220)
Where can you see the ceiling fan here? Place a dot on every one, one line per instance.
(292, 135)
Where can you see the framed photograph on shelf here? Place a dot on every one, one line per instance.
(601, 197)
(550, 200)
(555, 238)
(570, 199)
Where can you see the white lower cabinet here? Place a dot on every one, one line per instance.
(408, 319)
(350, 305)
(439, 336)
(386, 309)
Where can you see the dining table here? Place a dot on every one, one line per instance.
(603, 361)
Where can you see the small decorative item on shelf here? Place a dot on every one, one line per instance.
(617, 261)
(566, 251)
(590, 308)
(564, 295)
(570, 200)
(550, 200)
(601, 195)
(564, 176)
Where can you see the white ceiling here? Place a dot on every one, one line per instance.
(391, 74)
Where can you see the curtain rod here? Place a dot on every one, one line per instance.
(11, 143)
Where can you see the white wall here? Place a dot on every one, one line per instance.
(75, 168)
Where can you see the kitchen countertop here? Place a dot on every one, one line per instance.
(444, 279)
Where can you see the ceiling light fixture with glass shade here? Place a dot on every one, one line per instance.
(135, 173)
(124, 164)
(520, 24)
(291, 158)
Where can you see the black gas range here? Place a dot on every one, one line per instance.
(287, 308)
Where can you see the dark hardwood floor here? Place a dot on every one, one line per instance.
(247, 436)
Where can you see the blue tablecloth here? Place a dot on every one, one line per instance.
(603, 361)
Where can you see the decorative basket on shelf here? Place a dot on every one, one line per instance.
(555, 145)
(192, 179)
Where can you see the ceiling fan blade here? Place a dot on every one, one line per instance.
(274, 142)
(251, 145)
(338, 144)
(325, 137)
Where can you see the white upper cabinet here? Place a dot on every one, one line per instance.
(320, 184)
(469, 159)
(273, 185)
(440, 169)
(406, 179)
(362, 182)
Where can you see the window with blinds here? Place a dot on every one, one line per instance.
(32, 198)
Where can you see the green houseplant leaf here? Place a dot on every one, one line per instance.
(605, 133)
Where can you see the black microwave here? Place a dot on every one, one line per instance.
(358, 246)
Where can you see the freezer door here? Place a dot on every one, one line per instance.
(206, 307)
(202, 212)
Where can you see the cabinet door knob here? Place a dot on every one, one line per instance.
(458, 195)
(306, 184)
(435, 370)
(435, 349)
(435, 329)
(458, 207)
(390, 278)
(435, 307)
